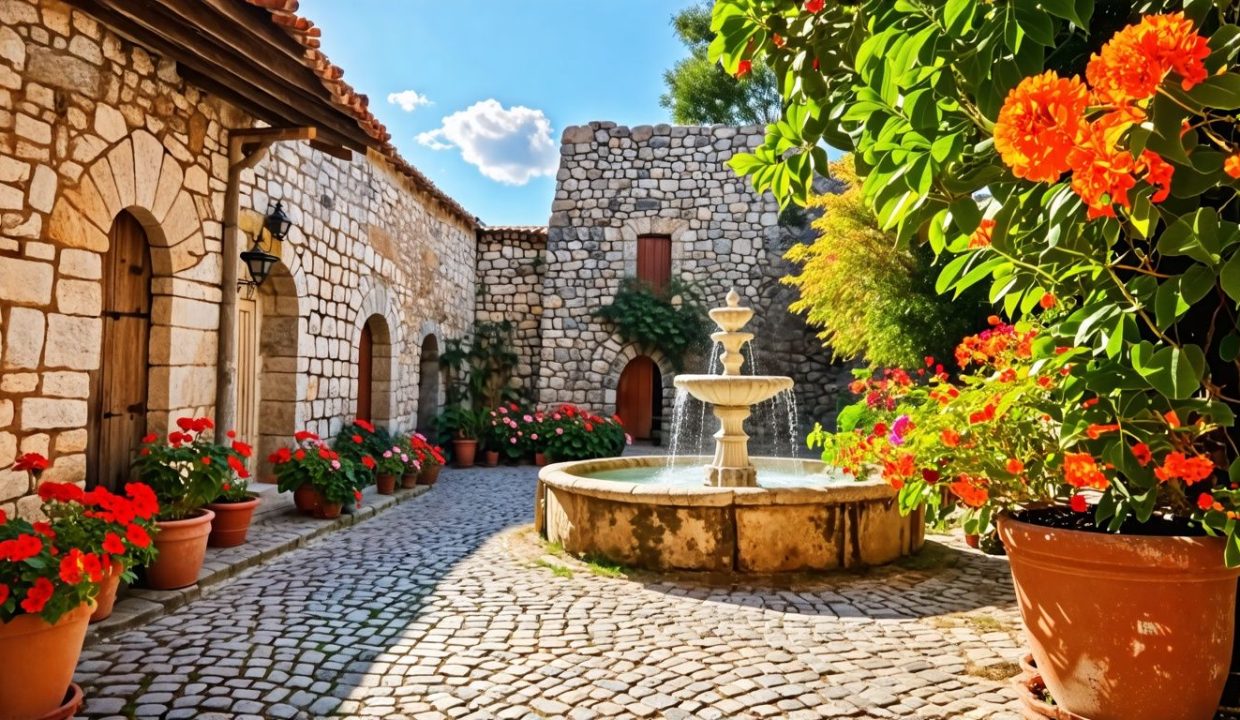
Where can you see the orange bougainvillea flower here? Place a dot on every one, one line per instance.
(1231, 165)
(1135, 60)
(1094, 431)
(1039, 123)
(950, 437)
(1102, 172)
(1015, 466)
(1047, 302)
(981, 236)
(1080, 470)
(1177, 466)
(971, 491)
(1141, 452)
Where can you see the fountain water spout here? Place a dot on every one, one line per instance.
(732, 396)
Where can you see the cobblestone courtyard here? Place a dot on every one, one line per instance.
(436, 609)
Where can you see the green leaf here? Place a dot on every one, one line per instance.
(1218, 91)
(1172, 371)
(1229, 277)
(957, 15)
(1077, 11)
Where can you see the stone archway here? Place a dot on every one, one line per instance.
(374, 372)
(137, 176)
(428, 383)
(377, 321)
(617, 358)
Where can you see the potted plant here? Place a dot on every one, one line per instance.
(409, 458)
(234, 508)
(117, 528)
(430, 457)
(186, 471)
(388, 465)
(324, 477)
(49, 574)
(466, 425)
(572, 433)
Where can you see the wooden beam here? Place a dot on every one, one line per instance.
(335, 151)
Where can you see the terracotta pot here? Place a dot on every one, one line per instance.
(328, 510)
(972, 540)
(385, 483)
(464, 450)
(307, 498)
(1031, 690)
(38, 661)
(106, 598)
(540, 459)
(1125, 627)
(182, 545)
(232, 521)
(68, 708)
(408, 480)
(492, 458)
(429, 475)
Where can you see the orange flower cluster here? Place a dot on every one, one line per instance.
(1043, 129)
(1080, 470)
(971, 490)
(981, 236)
(996, 346)
(1189, 469)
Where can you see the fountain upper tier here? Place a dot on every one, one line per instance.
(732, 394)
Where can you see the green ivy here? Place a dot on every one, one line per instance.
(673, 320)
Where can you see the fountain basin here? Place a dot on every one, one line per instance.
(828, 523)
(733, 391)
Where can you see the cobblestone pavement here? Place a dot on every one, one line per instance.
(432, 610)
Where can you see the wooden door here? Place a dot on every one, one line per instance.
(654, 260)
(635, 397)
(119, 387)
(248, 388)
(365, 360)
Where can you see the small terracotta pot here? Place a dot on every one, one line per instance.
(307, 499)
(232, 522)
(429, 475)
(540, 459)
(182, 545)
(408, 480)
(492, 458)
(464, 450)
(385, 483)
(328, 510)
(38, 661)
(1090, 603)
(972, 540)
(106, 598)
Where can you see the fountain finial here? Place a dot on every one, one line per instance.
(734, 298)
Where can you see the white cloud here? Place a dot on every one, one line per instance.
(509, 145)
(408, 100)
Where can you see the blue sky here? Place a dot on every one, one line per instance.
(482, 89)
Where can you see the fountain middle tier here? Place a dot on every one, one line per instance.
(734, 391)
(731, 399)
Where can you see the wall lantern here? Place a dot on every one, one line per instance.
(257, 260)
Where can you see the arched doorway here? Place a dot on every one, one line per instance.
(428, 384)
(639, 397)
(267, 389)
(374, 371)
(119, 387)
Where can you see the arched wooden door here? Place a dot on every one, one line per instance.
(428, 384)
(119, 387)
(636, 395)
(365, 367)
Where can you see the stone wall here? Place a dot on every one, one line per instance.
(92, 125)
(511, 261)
(617, 183)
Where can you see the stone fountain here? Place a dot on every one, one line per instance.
(732, 396)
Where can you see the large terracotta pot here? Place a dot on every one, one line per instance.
(232, 522)
(38, 661)
(328, 510)
(429, 475)
(1125, 627)
(182, 545)
(540, 459)
(307, 499)
(409, 480)
(464, 450)
(106, 598)
(1031, 690)
(491, 458)
(385, 483)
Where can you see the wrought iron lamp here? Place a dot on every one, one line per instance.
(257, 260)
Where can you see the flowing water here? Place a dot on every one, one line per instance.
(770, 475)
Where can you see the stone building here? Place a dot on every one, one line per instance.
(624, 195)
(125, 135)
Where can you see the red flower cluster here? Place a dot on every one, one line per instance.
(971, 490)
(996, 347)
(31, 462)
(1080, 470)
(1178, 466)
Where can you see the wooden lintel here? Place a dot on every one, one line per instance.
(275, 134)
(333, 150)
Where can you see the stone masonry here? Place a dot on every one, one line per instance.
(92, 125)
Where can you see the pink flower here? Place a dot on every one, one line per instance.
(533, 436)
(503, 410)
(528, 418)
(404, 458)
(559, 431)
(335, 464)
(628, 439)
(512, 440)
(387, 454)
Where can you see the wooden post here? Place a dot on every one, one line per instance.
(245, 149)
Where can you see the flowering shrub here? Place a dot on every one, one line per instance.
(410, 460)
(311, 462)
(425, 452)
(515, 432)
(360, 443)
(50, 567)
(574, 434)
(189, 469)
(392, 461)
(1109, 215)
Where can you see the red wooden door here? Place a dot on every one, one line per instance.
(635, 397)
(119, 387)
(654, 260)
(365, 355)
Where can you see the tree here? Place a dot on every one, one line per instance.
(701, 93)
(871, 296)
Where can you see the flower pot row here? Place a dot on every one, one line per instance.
(491, 458)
